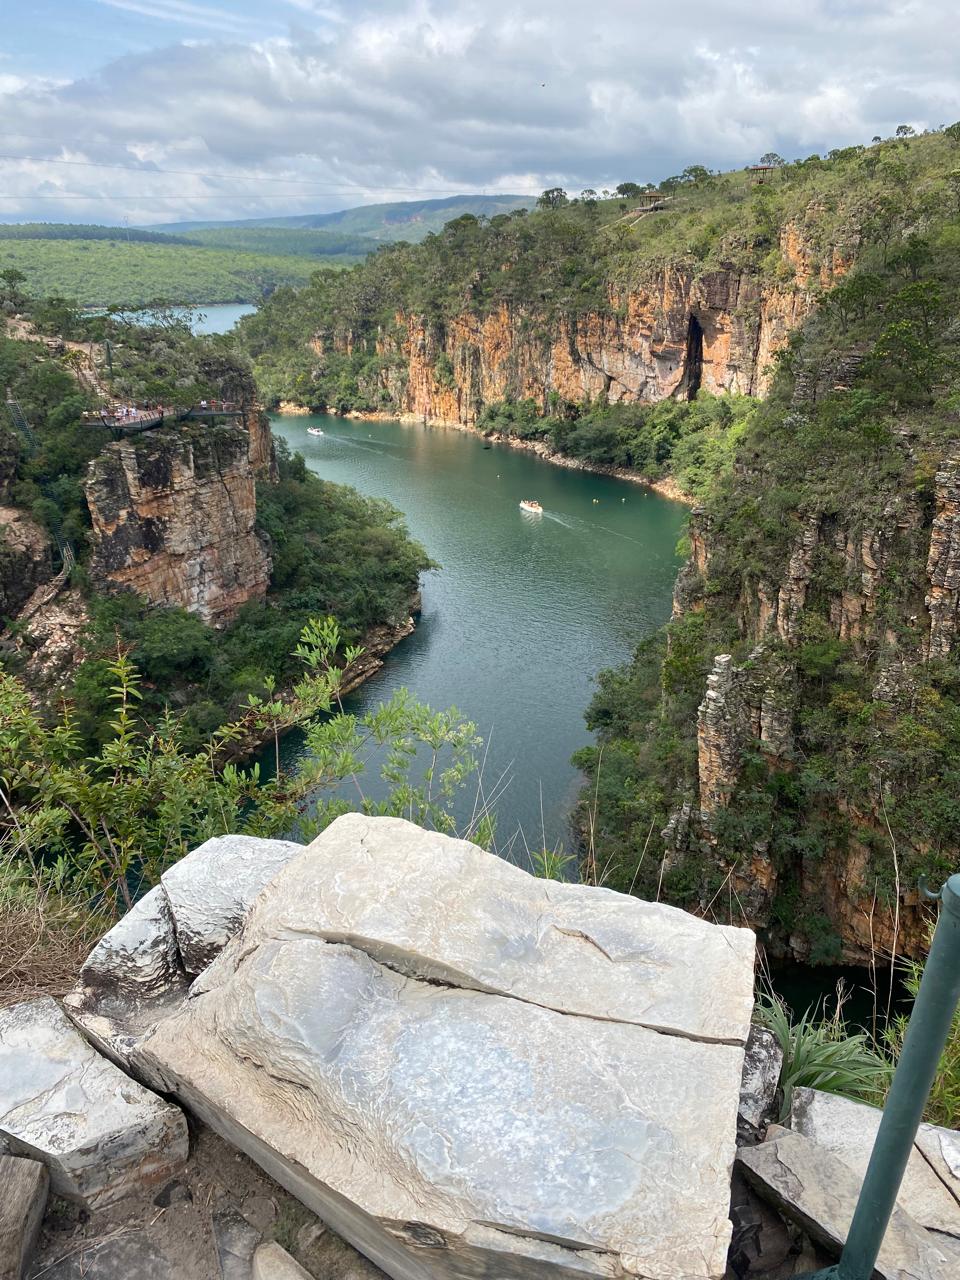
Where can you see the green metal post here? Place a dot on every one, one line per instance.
(912, 1082)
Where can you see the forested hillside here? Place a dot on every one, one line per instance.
(102, 272)
(788, 750)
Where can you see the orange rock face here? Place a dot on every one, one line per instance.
(719, 330)
(174, 519)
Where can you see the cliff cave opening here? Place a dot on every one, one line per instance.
(693, 358)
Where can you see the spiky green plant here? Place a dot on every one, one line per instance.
(820, 1052)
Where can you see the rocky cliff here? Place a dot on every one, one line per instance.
(174, 514)
(26, 559)
(863, 587)
(672, 335)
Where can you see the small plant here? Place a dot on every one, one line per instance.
(550, 864)
(820, 1053)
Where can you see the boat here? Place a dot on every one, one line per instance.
(314, 431)
(531, 504)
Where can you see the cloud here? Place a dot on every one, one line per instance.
(390, 99)
(183, 13)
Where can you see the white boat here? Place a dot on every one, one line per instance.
(314, 431)
(531, 504)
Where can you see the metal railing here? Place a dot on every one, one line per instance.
(923, 1045)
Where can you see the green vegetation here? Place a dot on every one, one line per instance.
(82, 834)
(862, 412)
(820, 1052)
(104, 272)
(692, 441)
(305, 242)
(943, 1106)
(333, 551)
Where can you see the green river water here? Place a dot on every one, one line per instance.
(525, 609)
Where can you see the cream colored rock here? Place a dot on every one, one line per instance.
(447, 911)
(210, 891)
(811, 1186)
(272, 1262)
(848, 1130)
(402, 1036)
(101, 1135)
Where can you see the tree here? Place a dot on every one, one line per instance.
(772, 158)
(10, 291)
(628, 189)
(588, 198)
(953, 131)
(696, 173)
(953, 177)
(97, 827)
(553, 198)
(906, 131)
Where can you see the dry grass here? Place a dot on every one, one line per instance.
(42, 945)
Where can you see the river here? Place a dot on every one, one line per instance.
(525, 609)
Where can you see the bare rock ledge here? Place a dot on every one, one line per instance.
(467, 1072)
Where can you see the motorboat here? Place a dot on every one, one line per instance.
(531, 504)
(314, 431)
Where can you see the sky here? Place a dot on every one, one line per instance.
(150, 111)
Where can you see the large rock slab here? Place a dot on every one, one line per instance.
(447, 911)
(389, 1038)
(848, 1130)
(100, 1134)
(812, 1187)
(210, 890)
(143, 966)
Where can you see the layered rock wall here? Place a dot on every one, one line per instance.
(174, 516)
(842, 571)
(680, 331)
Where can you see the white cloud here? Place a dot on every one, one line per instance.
(408, 96)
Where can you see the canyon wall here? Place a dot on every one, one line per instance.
(752, 705)
(680, 331)
(174, 515)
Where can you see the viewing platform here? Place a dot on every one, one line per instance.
(127, 421)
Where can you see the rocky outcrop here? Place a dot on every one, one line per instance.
(816, 1190)
(943, 562)
(174, 516)
(26, 559)
(745, 704)
(671, 335)
(100, 1134)
(591, 1136)
(930, 1190)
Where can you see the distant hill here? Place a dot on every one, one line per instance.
(401, 220)
(97, 271)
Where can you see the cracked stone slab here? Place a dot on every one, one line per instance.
(452, 1133)
(210, 891)
(378, 883)
(848, 1130)
(815, 1189)
(100, 1134)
